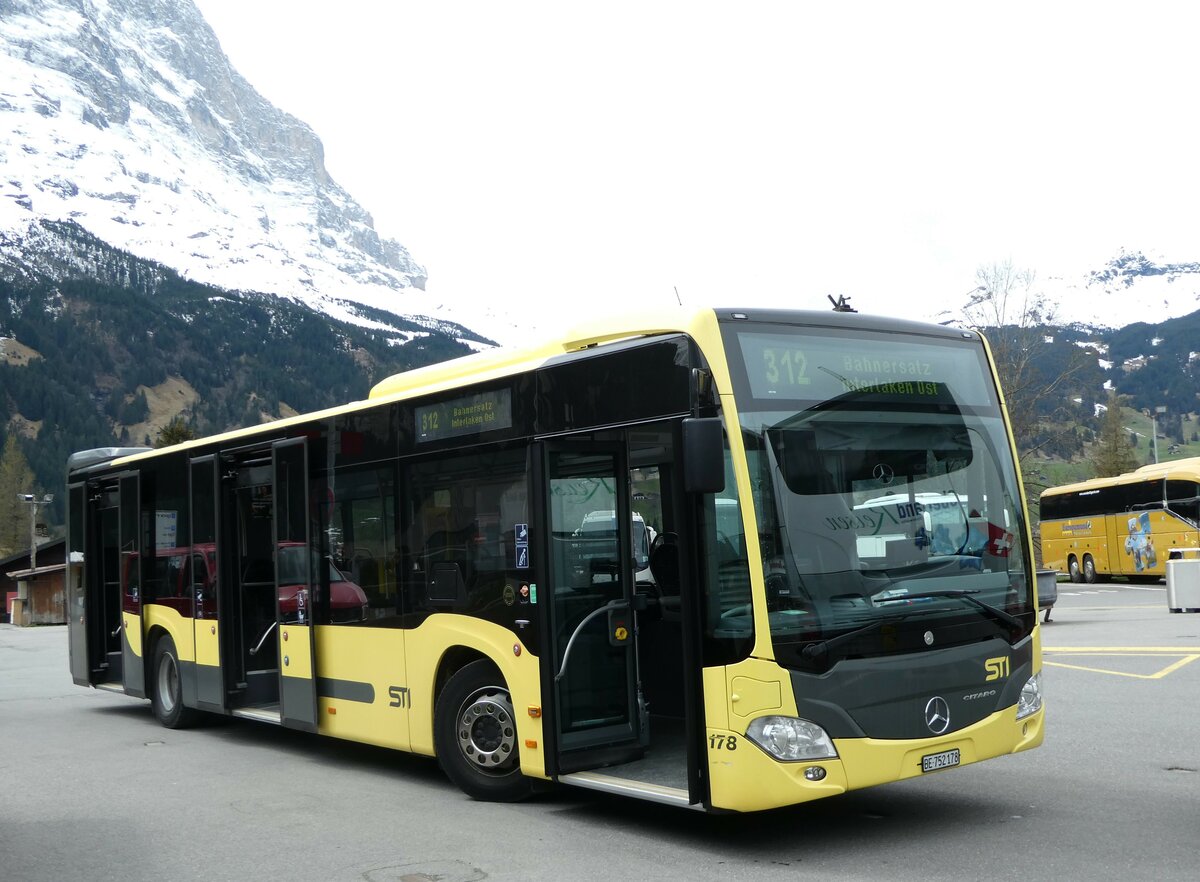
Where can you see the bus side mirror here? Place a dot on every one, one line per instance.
(703, 455)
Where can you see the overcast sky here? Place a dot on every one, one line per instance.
(565, 155)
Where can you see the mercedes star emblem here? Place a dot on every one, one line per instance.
(937, 715)
(883, 473)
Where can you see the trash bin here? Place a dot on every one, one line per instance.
(1183, 581)
(1047, 590)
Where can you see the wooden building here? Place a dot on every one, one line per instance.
(35, 596)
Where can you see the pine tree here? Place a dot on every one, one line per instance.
(1114, 454)
(174, 432)
(15, 477)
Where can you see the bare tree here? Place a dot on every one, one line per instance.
(1013, 314)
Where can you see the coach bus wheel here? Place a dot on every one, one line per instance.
(1089, 569)
(475, 733)
(166, 690)
(1073, 569)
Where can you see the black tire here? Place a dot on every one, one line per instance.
(1089, 569)
(166, 688)
(1073, 569)
(475, 735)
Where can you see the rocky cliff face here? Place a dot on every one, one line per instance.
(126, 117)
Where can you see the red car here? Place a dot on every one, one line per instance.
(179, 576)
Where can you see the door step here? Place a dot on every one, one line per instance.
(626, 787)
(262, 714)
(112, 687)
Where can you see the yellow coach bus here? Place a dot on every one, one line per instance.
(684, 558)
(1130, 525)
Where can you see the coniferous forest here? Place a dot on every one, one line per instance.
(90, 347)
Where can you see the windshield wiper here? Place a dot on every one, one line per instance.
(995, 612)
(822, 648)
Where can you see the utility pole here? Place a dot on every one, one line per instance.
(33, 502)
(1154, 428)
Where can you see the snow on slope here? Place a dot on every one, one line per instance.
(1131, 287)
(126, 117)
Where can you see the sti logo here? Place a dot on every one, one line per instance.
(996, 668)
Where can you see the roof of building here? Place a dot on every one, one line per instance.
(23, 554)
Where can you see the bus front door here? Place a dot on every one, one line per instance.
(598, 710)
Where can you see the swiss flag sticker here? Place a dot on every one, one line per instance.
(1000, 541)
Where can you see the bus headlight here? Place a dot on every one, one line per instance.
(791, 739)
(1030, 701)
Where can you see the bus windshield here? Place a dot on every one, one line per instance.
(886, 496)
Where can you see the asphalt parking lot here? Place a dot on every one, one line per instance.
(92, 788)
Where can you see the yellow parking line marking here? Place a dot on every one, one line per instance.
(1128, 653)
(1179, 664)
(1144, 650)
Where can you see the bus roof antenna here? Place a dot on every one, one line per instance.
(842, 304)
(677, 297)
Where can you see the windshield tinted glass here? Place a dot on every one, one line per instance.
(886, 496)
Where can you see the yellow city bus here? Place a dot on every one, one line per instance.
(480, 583)
(1130, 525)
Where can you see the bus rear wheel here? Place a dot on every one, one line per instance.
(1089, 569)
(1073, 569)
(166, 690)
(475, 734)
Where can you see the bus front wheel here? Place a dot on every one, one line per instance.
(1089, 569)
(166, 691)
(1073, 569)
(475, 734)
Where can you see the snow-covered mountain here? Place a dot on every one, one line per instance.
(126, 117)
(1135, 288)
(1131, 287)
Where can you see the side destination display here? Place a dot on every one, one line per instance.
(468, 415)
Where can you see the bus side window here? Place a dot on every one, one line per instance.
(460, 526)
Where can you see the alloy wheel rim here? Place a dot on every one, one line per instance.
(487, 731)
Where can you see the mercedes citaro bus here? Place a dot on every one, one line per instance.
(783, 640)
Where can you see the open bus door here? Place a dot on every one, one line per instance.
(133, 663)
(205, 582)
(81, 604)
(295, 563)
(267, 654)
(104, 527)
(595, 688)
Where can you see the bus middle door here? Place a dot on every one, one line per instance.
(295, 563)
(133, 662)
